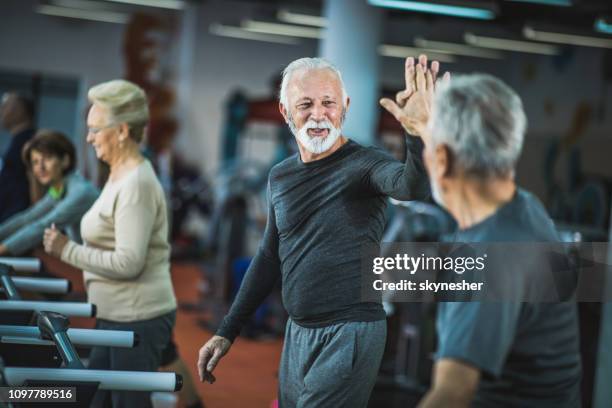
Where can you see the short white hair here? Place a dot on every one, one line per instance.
(126, 102)
(482, 121)
(307, 64)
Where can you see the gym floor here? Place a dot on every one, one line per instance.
(247, 376)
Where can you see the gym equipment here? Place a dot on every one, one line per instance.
(54, 327)
(417, 221)
(251, 141)
(22, 264)
(106, 379)
(76, 309)
(237, 214)
(42, 285)
(10, 284)
(80, 337)
(14, 303)
(407, 364)
(15, 339)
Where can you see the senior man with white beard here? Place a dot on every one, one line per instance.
(325, 203)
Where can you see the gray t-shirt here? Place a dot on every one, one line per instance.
(528, 353)
(320, 215)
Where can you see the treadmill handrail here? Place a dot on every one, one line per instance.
(79, 309)
(80, 337)
(108, 379)
(22, 264)
(42, 285)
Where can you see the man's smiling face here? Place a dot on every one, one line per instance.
(316, 108)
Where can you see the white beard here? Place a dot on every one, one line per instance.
(317, 144)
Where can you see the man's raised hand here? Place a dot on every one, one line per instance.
(412, 106)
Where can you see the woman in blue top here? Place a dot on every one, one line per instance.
(51, 158)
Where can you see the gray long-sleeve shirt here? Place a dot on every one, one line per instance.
(319, 215)
(24, 231)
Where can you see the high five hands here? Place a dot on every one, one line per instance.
(412, 106)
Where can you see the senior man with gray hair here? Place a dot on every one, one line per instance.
(325, 203)
(503, 354)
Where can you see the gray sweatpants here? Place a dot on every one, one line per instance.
(333, 366)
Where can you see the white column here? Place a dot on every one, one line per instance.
(350, 42)
(185, 74)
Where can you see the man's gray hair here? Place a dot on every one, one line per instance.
(307, 64)
(482, 121)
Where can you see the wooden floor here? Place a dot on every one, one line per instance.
(246, 377)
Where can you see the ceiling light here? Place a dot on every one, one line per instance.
(238, 32)
(560, 3)
(456, 49)
(437, 8)
(167, 4)
(84, 4)
(302, 19)
(104, 16)
(569, 39)
(399, 51)
(510, 45)
(281, 29)
(602, 26)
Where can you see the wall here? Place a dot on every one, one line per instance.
(222, 65)
(559, 83)
(209, 68)
(85, 50)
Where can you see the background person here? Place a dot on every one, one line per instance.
(51, 158)
(17, 117)
(126, 254)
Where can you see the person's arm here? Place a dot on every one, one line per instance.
(402, 181)
(14, 225)
(68, 210)
(412, 108)
(464, 354)
(134, 217)
(263, 273)
(454, 385)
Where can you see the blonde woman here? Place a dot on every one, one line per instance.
(125, 255)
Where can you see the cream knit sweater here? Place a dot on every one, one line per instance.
(125, 256)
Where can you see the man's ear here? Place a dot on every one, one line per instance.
(443, 158)
(283, 112)
(348, 102)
